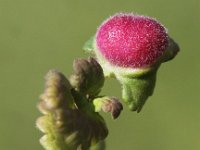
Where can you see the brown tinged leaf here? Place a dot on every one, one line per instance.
(171, 51)
(57, 92)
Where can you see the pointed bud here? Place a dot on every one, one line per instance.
(88, 76)
(171, 51)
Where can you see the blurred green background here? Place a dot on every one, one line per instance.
(37, 35)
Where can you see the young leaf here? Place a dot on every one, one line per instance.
(88, 46)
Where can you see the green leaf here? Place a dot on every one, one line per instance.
(89, 45)
(135, 91)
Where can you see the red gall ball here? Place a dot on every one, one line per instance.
(132, 41)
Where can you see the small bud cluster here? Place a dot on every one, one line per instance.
(70, 119)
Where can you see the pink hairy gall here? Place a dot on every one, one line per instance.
(131, 41)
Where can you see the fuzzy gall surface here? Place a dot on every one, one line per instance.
(132, 41)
